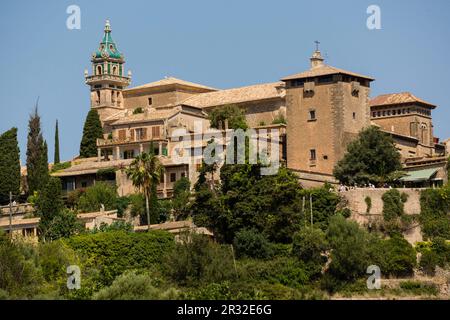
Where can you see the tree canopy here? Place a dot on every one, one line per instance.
(371, 157)
(56, 155)
(231, 113)
(37, 157)
(9, 164)
(92, 131)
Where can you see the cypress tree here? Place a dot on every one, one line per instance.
(9, 164)
(56, 156)
(37, 158)
(91, 131)
(49, 203)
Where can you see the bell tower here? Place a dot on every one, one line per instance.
(108, 76)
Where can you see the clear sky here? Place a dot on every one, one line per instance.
(221, 44)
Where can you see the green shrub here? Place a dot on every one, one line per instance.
(114, 252)
(63, 225)
(309, 246)
(286, 271)
(435, 254)
(280, 119)
(435, 212)
(138, 110)
(106, 174)
(19, 274)
(137, 202)
(198, 260)
(368, 201)
(350, 249)
(61, 166)
(419, 288)
(252, 244)
(281, 249)
(428, 262)
(393, 206)
(133, 286)
(115, 226)
(54, 258)
(399, 257)
(345, 212)
(122, 204)
(96, 195)
(393, 211)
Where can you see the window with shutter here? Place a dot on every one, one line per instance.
(144, 133)
(132, 134)
(121, 135)
(155, 132)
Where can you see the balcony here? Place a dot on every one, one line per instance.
(111, 77)
(129, 140)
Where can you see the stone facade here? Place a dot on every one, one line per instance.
(355, 201)
(326, 109)
(317, 112)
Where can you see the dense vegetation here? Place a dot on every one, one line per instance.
(370, 158)
(274, 238)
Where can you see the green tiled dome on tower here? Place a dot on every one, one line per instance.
(107, 48)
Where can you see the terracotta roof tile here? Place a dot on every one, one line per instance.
(171, 81)
(323, 71)
(397, 98)
(237, 95)
(148, 115)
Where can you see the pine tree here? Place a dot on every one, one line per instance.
(37, 158)
(91, 131)
(56, 156)
(9, 164)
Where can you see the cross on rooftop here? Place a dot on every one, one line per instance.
(317, 45)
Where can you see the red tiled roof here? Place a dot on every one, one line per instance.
(398, 98)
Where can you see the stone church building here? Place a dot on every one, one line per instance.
(316, 112)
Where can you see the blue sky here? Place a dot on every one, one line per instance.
(222, 44)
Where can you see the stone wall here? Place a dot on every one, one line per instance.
(355, 201)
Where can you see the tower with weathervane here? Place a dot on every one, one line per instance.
(108, 77)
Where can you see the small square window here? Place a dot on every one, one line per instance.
(173, 177)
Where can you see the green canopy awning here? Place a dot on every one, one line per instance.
(419, 175)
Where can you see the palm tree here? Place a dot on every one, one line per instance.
(145, 173)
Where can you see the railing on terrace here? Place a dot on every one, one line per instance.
(112, 77)
(114, 141)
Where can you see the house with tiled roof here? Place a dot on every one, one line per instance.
(407, 118)
(316, 113)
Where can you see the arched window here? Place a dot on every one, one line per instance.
(115, 70)
(99, 69)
